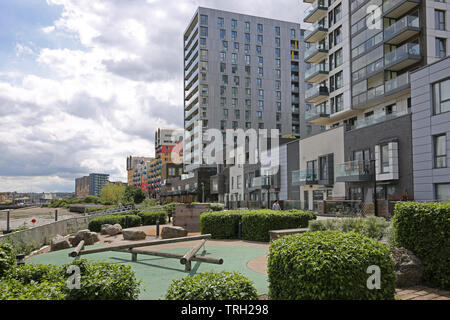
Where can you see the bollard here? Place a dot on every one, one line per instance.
(240, 230)
(157, 227)
(20, 259)
(56, 215)
(126, 222)
(8, 230)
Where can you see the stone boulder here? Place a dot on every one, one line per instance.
(104, 227)
(59, 243)
(89, 238)
(134, 235)
(407, 267)
(111, 230)
(173, 232)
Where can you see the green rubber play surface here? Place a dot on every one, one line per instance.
(157, 273)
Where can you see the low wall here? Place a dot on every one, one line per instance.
(188, 216)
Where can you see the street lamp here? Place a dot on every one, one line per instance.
(203, 192)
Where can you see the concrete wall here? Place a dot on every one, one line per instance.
(424, 126)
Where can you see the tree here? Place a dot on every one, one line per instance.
(133, 195)
(112, 193)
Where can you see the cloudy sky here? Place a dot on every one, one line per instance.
(85, 83)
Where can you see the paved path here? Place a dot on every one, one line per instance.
(422, 293)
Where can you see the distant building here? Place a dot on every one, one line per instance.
(90, 185)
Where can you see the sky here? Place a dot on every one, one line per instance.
(84, 84)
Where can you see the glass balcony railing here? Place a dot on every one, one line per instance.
(396, 83)
(405, 51)
(404, 4)
(316, 91)
(300, 177)
(318, 4)
(314, 28)
(319, 111)
(368, 96)
(375, 119)
(294, 67)
(408, 21)
(192, 35)
(354, 169)
(314, 49)
(316, 69)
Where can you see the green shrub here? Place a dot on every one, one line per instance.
(91, 210)
(256, 224)
(212, 286)
(221, 225)
(149, 203)
(326, 265)
(29, 273)
(372, 227)
(15, 290)
(7, 258)
(95, 224)
(424, 228)
(103, 281)
(217, 206)
(171, 206)
(149, 217)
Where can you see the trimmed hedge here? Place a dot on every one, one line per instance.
(424, 228)
(7, 258)
(256, 224)
(149, 217)
(95, 224)
(212, 286)
(326, 265)
(99, 281)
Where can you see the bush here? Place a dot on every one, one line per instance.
(372, 227)
(95, 224)
(149, 217)
(149, 203)
(326, 265)
(103, 281)
(424, 228)
(91, 210)
(170, 206)
(256, 224)
(212, 286)
(217, 206)
(99, 281)
(7, 258)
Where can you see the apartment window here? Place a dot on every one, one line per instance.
(203, 41)
(237, 114)
(441, 96)
(248, 125)
(259, 114)
(260, 125)
(339, 59)
(234, 102)
(225, 79)
(236, 46)
(223, 33)
(220, 22)
(261, 105)
(223, 90)
(233, 24)
(234, 91)
(311, 167)
(234, 124)
(277, 31)
(261, 60)
(223, 67)
(278, 85)
(323, 162)
(277, 63)
(233, 35)
(234, 68)
(442, 191)
(278, 106)
(439, 20)
(258, 50)
(248, 92)
(225, 45)
(441, 47)
(247, 70)
(247, 37)
(260, 28)
(247, 59)
(278, 73)
(339, 80)
(247, 48)
(248, 103)
(277, 52)
(223, 125)
(247, 82)
(223, 56)
(225, 113)
(293, 33)
(440, 151)
(236, 81)
(384, 149)
(278, 116)
(260, 72)
(247, 26)
(261, 93)
(247, 115)
(223, 101)
(203, 19)
(278, 95)
(204, 90)
(234, 57)
(260, 39)
(203, 31)
(278, 42)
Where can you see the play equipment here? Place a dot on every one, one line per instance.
(185, 259)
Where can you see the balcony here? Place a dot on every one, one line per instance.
(316, 53)
(402, 57)
(402, 30)
(295, 89)
(319, 115)
(317, 94)
(397, 85)
(294, 78)
(188, 124)
(369, 98)
(194, 89)
(394, 9)
(317, 73)
(355, 171)
(375, 120)
(295, 68)
(295, 99)
(308, 1)
(301, 178)
(317, 11)
(316, 33)
(191, 112)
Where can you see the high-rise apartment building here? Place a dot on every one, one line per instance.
(240, 72)
(90, 185)
(359, 56)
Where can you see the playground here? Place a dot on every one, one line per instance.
(158, 272)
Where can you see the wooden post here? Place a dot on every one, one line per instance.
(56, 215)
(186, 260)
(133, 256)
(145, 244)
(76, 252)
(8, 221)
(172, 255)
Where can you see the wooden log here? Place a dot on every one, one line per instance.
(188, 256)
(171, 255)
(76, 252)
(139, 244)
